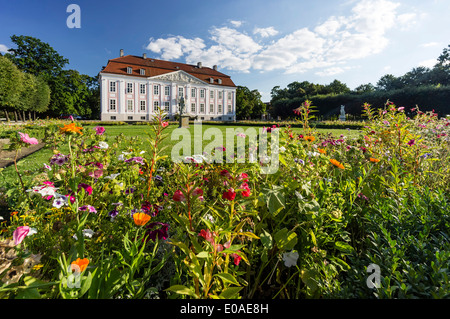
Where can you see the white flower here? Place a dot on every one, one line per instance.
(46, 166)
(112, 176)
(210, 218)
(121, 157)
(290, 259)
(313, 154)
(103, 145)
(58, 202)
(32, 231)
(142, 152)
(88, 233)
(282, 149)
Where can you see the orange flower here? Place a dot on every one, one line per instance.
(310, 138)
(321, 150)
(79, 264)
(336, 163)
(71, 128)
(140, 219)
(374, 160)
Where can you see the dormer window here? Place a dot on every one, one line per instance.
(129, 70)
(142, 71)
(211, 80)
(219, 81)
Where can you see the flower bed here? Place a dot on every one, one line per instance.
(121, 220)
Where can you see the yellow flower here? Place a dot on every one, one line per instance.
(336, 163)
(71, 128)
(310, 138)
(374, 160)
(140, 219)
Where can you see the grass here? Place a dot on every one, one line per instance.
(32, 164)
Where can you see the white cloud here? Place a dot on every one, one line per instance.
(3, 48)
(430, 44)
(265, 32)
(428, 63)
(330, 44)
(235, 23)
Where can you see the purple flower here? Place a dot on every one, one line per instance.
(99, 130)
(411, 142)
(157, 229)
(137, 159)
(113, 213)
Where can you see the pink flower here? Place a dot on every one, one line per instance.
(198, 192)
(207, 235)
(99, 130)
(97, 173)
(26, 139)
(401, 109)
(86, 187)
(164, 124)
(411, 142)
(243, 177)
(178, 196)
(20, 233)
(230, 194)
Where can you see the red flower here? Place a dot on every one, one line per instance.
(207, 235)
(237, 259)
(230, 194)
(243, 177)
(246, 192)
(178, 196)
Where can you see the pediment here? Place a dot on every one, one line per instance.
(178, 76)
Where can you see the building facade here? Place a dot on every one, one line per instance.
(134, 88)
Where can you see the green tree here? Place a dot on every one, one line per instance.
(10, 85)
(337, 87)
(389, 82)
(36, 57)
(365, 88)
(248, 103)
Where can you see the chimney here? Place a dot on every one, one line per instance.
(121, 52)
(215, 67)
(144, 55)
(199, 65)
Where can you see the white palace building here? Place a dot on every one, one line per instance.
(133, 88)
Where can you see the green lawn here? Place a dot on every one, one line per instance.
(32, 164)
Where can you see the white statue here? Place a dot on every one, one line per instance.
(342, 116)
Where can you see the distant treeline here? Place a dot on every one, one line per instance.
(426, 88)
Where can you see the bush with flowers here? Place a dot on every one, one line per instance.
(120, 220)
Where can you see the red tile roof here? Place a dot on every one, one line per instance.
(155, 67)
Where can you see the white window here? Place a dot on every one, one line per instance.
(155, 105)
(193, 91)
(129, 70)
(180, 92)
(229, 108)
(167, 91)
(142, 88)
(219, 109)
(130, 105)
(142, 71)
(193, 107)
(143, 105)
(112, 105)
(166, 106)
(229, 95)
(112, 86)
(211, 94)
(202, 93)
(129, 87)
(220, 95)
(202, 108)
(156, 89)
(211, 108)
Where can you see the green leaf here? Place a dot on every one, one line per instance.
(227, 278)
(266, 239)
(274, 199)
(285, 239)
(181, 290)
(230, 292)
(32, 293)
(203, 254)
(344, 247)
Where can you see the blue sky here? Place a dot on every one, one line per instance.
(260, 44)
